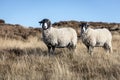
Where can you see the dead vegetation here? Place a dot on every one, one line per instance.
(18, 32)
(26, 58)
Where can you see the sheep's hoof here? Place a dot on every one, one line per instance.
(107, 53)
(91, 53)
(51, 55)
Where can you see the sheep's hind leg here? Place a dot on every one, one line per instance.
(111, 51)
(110, 47)
(72, 49)
(107, 48)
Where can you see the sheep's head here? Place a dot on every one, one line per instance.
(46, 24)
(84, 27)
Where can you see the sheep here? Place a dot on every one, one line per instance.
(58, 37)
(96, 38)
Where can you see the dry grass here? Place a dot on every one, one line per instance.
(32, 42)
(27, 60)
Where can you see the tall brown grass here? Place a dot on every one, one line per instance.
(28, 60)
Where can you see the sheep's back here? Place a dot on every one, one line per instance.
(103, 34)
(66, 33)
(66, 36)
(99, 35)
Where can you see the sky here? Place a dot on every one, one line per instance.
(29, 12)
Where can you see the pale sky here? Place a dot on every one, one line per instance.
(29, 12)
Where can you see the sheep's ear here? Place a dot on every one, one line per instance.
(80, 25)
(87, 24)
(40, 22)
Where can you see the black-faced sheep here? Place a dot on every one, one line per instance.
(58, 37)
(96, 38)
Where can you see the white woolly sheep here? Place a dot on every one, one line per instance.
(96, 38)
(58, 37)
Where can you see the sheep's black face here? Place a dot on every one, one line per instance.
(84, 27)
(46, 24)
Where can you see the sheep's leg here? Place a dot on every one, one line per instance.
(87, 48)
(49, 49)
(91, 50)
(72, 48)
(108, 48)
(53, 50)
(111, 51)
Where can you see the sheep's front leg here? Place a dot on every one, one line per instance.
(87, 48)
(90, 50)
(53, 50)
(49, 49)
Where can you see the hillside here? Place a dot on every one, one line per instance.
(18, 32)
(24, 56)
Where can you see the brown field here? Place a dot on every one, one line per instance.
(28, 60)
